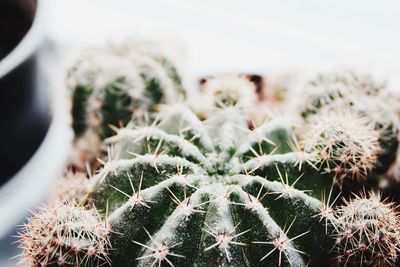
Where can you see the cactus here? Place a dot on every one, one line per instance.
(328, 87)
(345, 144)
(112, 85)
(197, 191)
(363, 95)
(367, 231)
(219, 185)
(241, 91)
(65, 234)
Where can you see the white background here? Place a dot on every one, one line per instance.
(229, 35)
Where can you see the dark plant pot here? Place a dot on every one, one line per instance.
(24, 109)
(34, 134)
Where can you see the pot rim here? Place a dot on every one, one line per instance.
(28, 45)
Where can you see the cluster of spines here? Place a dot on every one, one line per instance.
(367, 231)
(359, 94)
(341, 143)
(65, 234)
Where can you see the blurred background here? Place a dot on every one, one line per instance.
(261, 35)
(228, 36)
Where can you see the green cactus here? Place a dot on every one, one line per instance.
(212, 192)
(363, 95)
(114, 84)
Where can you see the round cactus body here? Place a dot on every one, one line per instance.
(114, 84)
(362, 95)
(189, 193)
(344, 144)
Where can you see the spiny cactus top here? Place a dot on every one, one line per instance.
(210, 193)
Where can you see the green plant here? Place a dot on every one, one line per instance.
(114, 84)
(198, 190)
(361, 94)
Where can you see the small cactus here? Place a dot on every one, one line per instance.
(372, 100)
(367, 231)
(111, 85)
(230, 90)
(64, 234)
(342, 143)
(223, 91)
